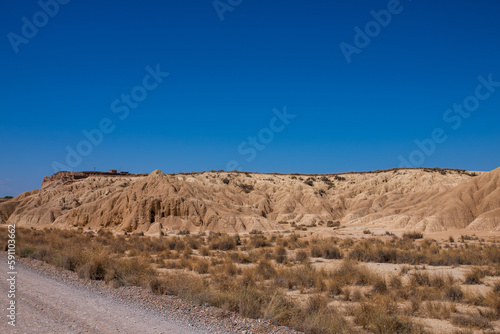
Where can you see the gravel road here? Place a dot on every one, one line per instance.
(50, 300)
(49, 306)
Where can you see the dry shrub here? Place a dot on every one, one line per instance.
(355, 295)
(133, 271)
(420, 278)
(194, 242)
(223, 282)
(405, 270)
(281, 241)
(172, 265)
(255, 255)
(318, 317)
(395, 282)
(415, 304)
(222, 242)
(150, 245)
(380, 286)
(186, 253)
(43, 254)
(69, 260)
(474, 276)
(185, 263)
(238, 257)
(280, 254)
(202, 266)
(258, 241)
(453, 293)
(184, 232)
(492, 299)
(294, 241)
(94, 267)
(350, 273)
(413, 235)
(346, 293)
(265, 269)
(279, 309)
(333, 287)
(250, 302)
(248, 277)
(333, 224)
(301, 256)
(471, 321)
(204, 251)
(380, 316)
(26, 251)
(404, 250)
(438, 310)
(229, 269)
(175, 243)
(440, 280)
(326, 250)
(184, 285)
(298, 277)
(156, 285)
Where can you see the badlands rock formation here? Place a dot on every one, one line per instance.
(414, 199)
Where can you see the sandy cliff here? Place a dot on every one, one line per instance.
(417, 199)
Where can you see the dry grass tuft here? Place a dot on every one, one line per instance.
(438, 310)
(453, 293)
(326, 250)
(380, 316)
(301, 256)
(474, 276)
(222, 242)
(471, 321)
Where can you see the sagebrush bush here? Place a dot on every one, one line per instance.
(280, 254)
(474, 276)
(471, 321)
(327, 250)
(413, 235)
(453, 293)
(222, 242)
(258, 241)
(438, 310)
(133, 271)
(301, 256)
(380, 316)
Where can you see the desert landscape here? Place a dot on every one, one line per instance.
(390, 251)
(250, 167)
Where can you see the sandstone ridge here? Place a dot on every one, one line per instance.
(158, 203)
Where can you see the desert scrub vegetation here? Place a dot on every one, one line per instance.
(325, 249)
(406, 250)
(316, 285)
(413, 235)
(333, 224)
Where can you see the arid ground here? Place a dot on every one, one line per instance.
(399, 251)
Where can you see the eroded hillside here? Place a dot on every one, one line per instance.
(417, 199)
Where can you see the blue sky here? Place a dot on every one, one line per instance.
(227, 76)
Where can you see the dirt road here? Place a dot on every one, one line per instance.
(51, 300)
(48, 306)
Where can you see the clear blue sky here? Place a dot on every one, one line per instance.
(226, 77)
